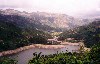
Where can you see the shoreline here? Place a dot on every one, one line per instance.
(62, 45)
(9, 52)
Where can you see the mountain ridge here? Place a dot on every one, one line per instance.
(50, 20)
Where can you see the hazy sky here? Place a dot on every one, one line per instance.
(82, 8)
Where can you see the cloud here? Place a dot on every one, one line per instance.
(93, 14)
(8, 6)
(71, 7)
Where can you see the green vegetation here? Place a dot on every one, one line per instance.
(89, 34)
(92, 57)
(7, 61)
(61, 58)
(12, 37)
(95, 53)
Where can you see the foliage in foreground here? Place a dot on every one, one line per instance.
(7, 61)
(61, 58)
(95, 53)
(92, 57)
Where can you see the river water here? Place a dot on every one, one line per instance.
(24, 56)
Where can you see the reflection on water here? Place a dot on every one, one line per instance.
(24, 56)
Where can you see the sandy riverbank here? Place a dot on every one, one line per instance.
(29, 47)
(69, 43)
(62, 45)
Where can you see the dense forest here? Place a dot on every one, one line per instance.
(89, 34)
(12, 36)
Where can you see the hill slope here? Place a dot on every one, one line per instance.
(42, 20)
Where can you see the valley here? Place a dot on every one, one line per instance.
(30, 38)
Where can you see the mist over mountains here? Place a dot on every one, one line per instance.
(42, 20)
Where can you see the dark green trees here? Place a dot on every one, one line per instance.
(90, 34)
(95, 53)
(12, 37)
(7, 61)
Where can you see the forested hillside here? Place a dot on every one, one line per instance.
(12, 37)
(89, 34)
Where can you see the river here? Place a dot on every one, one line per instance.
(24, 56)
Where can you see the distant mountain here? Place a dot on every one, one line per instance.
(42, 20)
